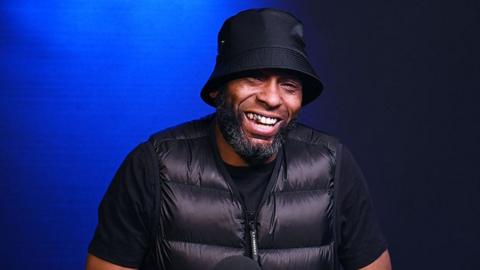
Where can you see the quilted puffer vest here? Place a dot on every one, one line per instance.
(202, 219)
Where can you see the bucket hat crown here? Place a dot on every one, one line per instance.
(262, 39)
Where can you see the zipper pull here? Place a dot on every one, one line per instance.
(253, 240)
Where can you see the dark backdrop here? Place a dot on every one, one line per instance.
(82, 83)
(402, 91)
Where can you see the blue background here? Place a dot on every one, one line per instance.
(83, 82)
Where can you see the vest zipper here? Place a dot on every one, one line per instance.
(252, 228)
(250, 218)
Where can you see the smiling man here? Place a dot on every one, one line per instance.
(247, 180)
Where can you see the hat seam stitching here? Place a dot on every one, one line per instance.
(265, 47)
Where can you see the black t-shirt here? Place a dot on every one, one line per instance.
(251, 182)
(126, 215)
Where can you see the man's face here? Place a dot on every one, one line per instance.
(255, 112)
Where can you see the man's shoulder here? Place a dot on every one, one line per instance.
(308, 135)
(185, 131)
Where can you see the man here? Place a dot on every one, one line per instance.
(247, 180)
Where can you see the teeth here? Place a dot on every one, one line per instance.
(262, 119)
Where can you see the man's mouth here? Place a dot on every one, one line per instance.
(261, 126)
(261, 119)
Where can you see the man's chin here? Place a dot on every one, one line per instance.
(260, 142)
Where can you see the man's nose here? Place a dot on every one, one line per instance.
(270, 95)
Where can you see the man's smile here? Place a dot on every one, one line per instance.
(261, 126)
(262, 119)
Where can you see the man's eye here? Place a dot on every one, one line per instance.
(292, 86)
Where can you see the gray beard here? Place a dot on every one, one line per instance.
(230, 127)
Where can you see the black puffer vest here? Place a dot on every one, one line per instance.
(202, 219)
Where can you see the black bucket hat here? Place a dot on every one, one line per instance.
(262, 39)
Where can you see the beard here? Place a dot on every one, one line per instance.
(230, 126)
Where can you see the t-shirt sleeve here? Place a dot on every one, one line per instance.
(360, 238)
(123, 232)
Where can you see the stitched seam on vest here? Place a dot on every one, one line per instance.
(169, 139)
(156, 142)
(324, 143)
(209, 189)
(323, 190)
(309, 247)
(327, 141)
(202, 244)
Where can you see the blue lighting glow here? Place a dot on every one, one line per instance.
(82, 83)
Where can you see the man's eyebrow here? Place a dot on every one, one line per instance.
(293, 78)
